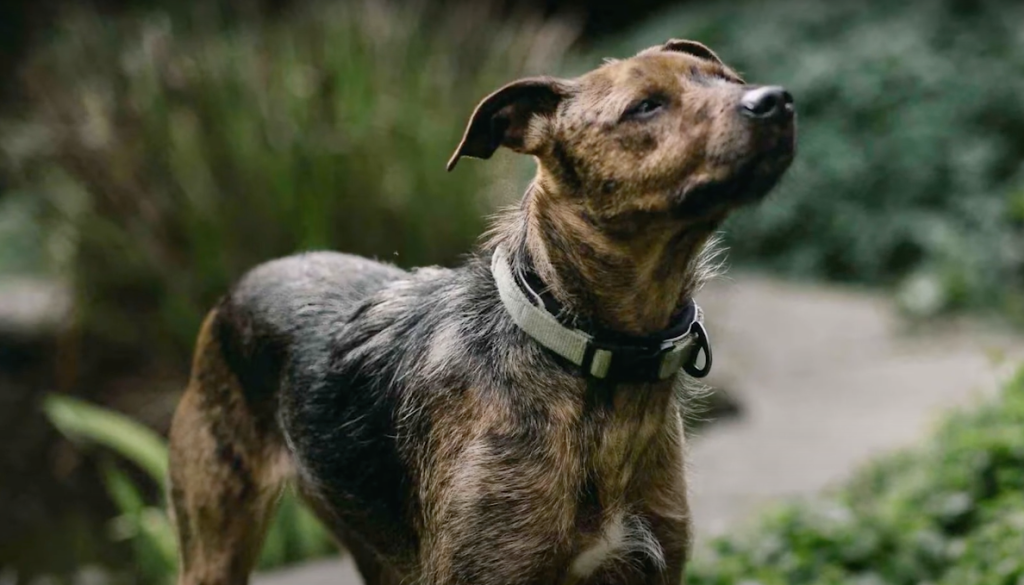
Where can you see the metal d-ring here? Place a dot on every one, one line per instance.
(701, 343)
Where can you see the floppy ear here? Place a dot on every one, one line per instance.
(503, 118)
(691, 48)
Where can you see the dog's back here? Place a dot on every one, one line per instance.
(288, 307)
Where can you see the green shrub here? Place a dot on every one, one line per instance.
(950, 512)
(911, 140)
(182, 151)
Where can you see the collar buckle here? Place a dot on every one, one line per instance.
(610, 360)
(651, 362)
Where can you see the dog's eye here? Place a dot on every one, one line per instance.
(644, 108)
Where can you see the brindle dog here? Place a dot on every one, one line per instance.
(438, 441)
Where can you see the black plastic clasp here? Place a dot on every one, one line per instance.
(702, 343)
(629, 363)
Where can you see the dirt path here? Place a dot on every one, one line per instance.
(827, 378)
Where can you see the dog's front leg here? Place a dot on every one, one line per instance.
(500, 513)
(666, 505)
(501, 554)
(674, 536)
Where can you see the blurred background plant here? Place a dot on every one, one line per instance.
(151, 154)
(295, 534)
(182, 152)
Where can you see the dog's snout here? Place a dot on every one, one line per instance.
(769, 102)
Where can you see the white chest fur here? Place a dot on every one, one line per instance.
(621, 535)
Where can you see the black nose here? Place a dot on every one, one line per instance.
(768, 102)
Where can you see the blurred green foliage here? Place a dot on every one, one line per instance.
(950, 512)
(22, 243)
(911, 142)
(183, 151)
(294, 534)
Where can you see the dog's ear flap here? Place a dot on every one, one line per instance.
(694, 48)
(503, 118)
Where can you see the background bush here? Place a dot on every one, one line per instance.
(184, 151)
(950, 512)
(911, 142)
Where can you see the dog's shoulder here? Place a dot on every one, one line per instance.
(396, 326)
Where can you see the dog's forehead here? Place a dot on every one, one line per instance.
(663, 68)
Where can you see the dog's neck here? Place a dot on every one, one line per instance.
(631, 281)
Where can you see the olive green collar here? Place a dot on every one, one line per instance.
(622, 357)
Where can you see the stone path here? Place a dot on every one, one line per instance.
(827, 378)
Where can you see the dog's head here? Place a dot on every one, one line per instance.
(671, 133)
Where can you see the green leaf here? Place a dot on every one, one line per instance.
(87, 423)
(125, 494)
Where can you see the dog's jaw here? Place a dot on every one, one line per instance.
(748, 186)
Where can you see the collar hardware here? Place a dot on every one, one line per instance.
(703, 345)
(614, 357)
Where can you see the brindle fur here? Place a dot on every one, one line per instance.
(438, 442)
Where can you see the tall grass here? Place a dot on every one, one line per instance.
(179, 152)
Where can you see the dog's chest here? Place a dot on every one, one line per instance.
(612, 514)
(609, 542)
(622, 535)
(623, 437)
